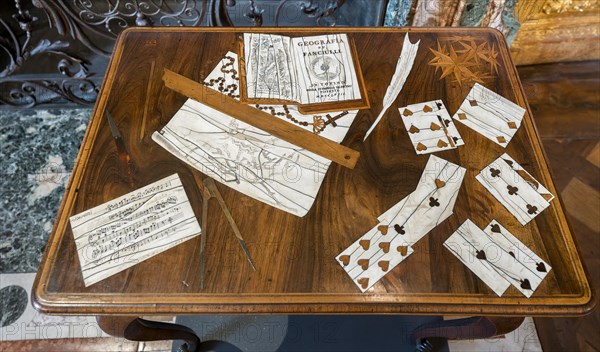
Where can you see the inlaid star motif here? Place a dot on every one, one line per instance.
(465, 61)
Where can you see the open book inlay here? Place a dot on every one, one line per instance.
(313, 70)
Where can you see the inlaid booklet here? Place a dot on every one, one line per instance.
(321, 73)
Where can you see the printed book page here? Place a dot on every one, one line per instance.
(325, 69)
(269, 69)
(306, 70)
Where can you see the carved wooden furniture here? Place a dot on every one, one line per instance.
(294, 257)
(538, 31)
(53, 53)
(557, 31)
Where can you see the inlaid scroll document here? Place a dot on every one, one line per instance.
(118, 234)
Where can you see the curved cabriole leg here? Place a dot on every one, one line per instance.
(138, 329)
(463, 329)
(114, 325)
(146, 330)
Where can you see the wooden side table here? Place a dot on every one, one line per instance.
(297, 272)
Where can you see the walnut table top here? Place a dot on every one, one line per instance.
(295, 257)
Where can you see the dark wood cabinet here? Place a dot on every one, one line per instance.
(54, 53)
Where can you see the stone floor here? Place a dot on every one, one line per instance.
(38, 149)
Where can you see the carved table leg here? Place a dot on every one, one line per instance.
(138, 329)
(464, 329)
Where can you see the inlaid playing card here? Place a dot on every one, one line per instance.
(530, 180)
(391, 212)
(516, 189)
(430, 127)
(431, 203)
(520, 258)
(387, 244)
(490, 114)
(467, 245)
(372, 256)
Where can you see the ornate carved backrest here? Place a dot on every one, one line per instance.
(55, 52)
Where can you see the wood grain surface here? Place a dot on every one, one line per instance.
(296, 269)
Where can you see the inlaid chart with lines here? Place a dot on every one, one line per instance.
(244, 158)
(249, 159)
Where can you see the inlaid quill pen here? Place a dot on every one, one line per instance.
(403, 68)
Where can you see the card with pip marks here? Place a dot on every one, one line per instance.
(530, 269)
(490, 114)
(466, 245)
(515, 188)
(430, 127)
(498, 257)
(530, 180)
(372, 256)
(389, 242)
(430, 204)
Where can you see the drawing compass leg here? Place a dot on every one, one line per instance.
(205, 197)
(211, 187)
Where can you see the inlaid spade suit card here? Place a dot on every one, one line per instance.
(466, 244)
(530, 267)
(430, 127)
(515, 188)
(387, 244)
(497, 257)
(490, 114)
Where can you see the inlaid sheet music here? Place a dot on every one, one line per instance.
(307, 70)
(118, 234)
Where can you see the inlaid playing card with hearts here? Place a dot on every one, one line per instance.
(430, 127)
(383, 247)
(372, 256)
